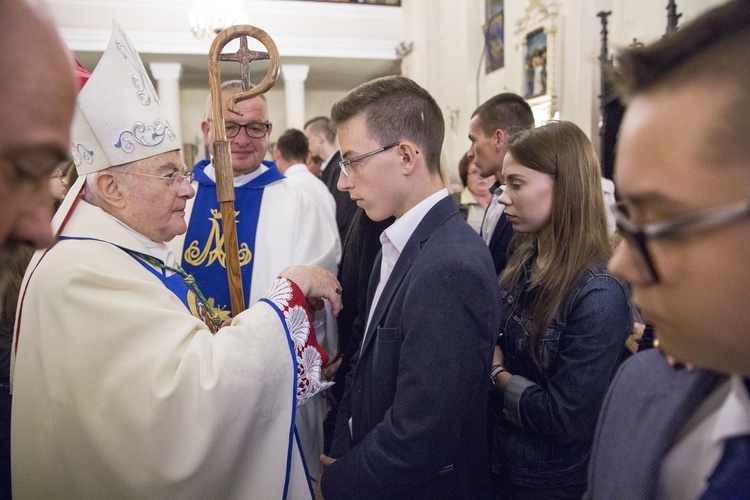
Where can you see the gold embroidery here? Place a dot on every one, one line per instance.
(214, 248)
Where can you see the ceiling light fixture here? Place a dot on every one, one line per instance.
(209, 17)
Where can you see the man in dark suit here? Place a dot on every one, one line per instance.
(357, 258)
(322, 141)
(683, 174)
(412, 422)
(491, 125)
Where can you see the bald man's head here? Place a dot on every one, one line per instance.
(37, 96)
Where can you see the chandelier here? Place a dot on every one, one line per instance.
(209, 17)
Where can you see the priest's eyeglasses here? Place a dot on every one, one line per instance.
(346, 164)
(173, 180)
(254, 130)
(637, 236)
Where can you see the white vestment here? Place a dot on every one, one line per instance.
(299, 175)
(119, 392)
(292, 230)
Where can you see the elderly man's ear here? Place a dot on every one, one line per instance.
(110, 189)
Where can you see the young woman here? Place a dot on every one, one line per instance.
(565, 318)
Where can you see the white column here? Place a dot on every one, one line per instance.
(294, 91)
(167, 76)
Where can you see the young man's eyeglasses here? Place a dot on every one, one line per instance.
(346, 164)
(638, 236)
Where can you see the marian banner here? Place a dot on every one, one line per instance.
(203, 254)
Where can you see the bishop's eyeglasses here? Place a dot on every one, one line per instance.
(173, 180)
(638, 236)
(346, 164)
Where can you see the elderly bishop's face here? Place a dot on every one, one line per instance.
(154, 205)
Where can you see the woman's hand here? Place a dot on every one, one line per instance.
(497, 357)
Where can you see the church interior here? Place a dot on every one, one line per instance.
(549, 51)
(406, 270)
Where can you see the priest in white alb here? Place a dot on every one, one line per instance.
(278, 225)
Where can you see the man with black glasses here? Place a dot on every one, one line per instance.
(278, 225)
(412, 421)
(678, 426)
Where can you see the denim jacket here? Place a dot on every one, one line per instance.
(544, 437)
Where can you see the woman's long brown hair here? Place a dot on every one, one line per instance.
(577, 225)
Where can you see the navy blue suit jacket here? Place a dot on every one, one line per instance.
(417, 390)
(647, 404)
(499, 243)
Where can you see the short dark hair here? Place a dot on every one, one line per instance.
(395, 108)
(292, 145)
(710, 50)
(506, 111)
(463, 168)
(322, 125)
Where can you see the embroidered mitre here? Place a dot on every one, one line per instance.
(119, 118)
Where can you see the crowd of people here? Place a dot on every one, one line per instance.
(479, 350)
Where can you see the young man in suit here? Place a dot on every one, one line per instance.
(412, 422)
(683, 174)
(491, 125)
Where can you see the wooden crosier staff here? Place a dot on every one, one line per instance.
(222, 153)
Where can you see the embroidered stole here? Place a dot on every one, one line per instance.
(203, 253)
(181, 284)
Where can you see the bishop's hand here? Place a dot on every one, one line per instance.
(316, 283)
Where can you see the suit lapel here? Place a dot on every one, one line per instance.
(374, 280)
(437, 215)
(329, 174)
(679, 401)
(502, 222)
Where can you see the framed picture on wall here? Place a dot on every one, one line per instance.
(494, 35)
(535, 64)
(536, 35)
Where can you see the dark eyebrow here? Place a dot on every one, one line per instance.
(52, 149)
(37, 159)
(656, 201)
(348, 153)
(645, 198)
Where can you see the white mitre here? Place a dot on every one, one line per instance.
(119, 118)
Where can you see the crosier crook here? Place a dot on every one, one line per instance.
(222, 153)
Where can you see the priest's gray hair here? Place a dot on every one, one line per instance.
(236, 87)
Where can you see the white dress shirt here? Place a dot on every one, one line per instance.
(724, 414)
(493, 213)
(394, 239)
